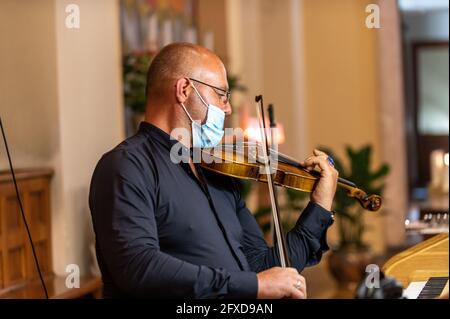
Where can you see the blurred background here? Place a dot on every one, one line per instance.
(365, 80)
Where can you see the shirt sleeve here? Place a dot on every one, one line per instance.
(122, 199)
(306, 242)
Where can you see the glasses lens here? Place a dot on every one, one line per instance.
(225, 96)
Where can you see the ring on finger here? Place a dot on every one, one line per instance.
(330, 160)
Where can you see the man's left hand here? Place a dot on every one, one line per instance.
(325, 188)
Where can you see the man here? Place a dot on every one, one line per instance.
(173, 230)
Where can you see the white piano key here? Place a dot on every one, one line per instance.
(414, 289)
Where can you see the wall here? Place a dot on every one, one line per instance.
(211, 15)
(341, 84)
(340, 75)
(28, 84)
(62, 105)
(91, 116)
(391, 123)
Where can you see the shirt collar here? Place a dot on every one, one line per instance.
(162, 137)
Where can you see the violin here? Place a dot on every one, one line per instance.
(258, 162)
(244, 161)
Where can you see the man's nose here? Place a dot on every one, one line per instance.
(228, 109)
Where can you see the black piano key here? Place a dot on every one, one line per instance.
(433, 288)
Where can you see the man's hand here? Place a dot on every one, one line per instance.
(277, 283)
(326, 187)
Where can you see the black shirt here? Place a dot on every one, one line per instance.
(160, 232)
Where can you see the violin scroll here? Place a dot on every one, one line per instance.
(371, 203)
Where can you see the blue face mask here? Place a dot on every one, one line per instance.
(210, 134)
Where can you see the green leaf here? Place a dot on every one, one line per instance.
(382, 171)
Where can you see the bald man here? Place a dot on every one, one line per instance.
(168, 229)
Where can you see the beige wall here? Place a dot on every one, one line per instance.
(341, 84)
(211, 16)
(62, 105)
(91, 122)
(28, 83)
(392, 123)
(340, 71)
(279, 72)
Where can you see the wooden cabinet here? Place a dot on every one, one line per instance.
(17, 264)
(18, 275)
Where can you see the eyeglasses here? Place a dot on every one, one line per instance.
(225, 96)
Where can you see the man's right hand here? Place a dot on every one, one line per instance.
(277, 283)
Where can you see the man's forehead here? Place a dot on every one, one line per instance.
(216, 77)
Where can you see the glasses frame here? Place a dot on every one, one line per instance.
(226, 94)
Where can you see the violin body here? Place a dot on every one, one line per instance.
(285, 175)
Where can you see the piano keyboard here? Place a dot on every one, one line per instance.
(430, 289)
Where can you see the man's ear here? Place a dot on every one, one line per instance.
(182, 90)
